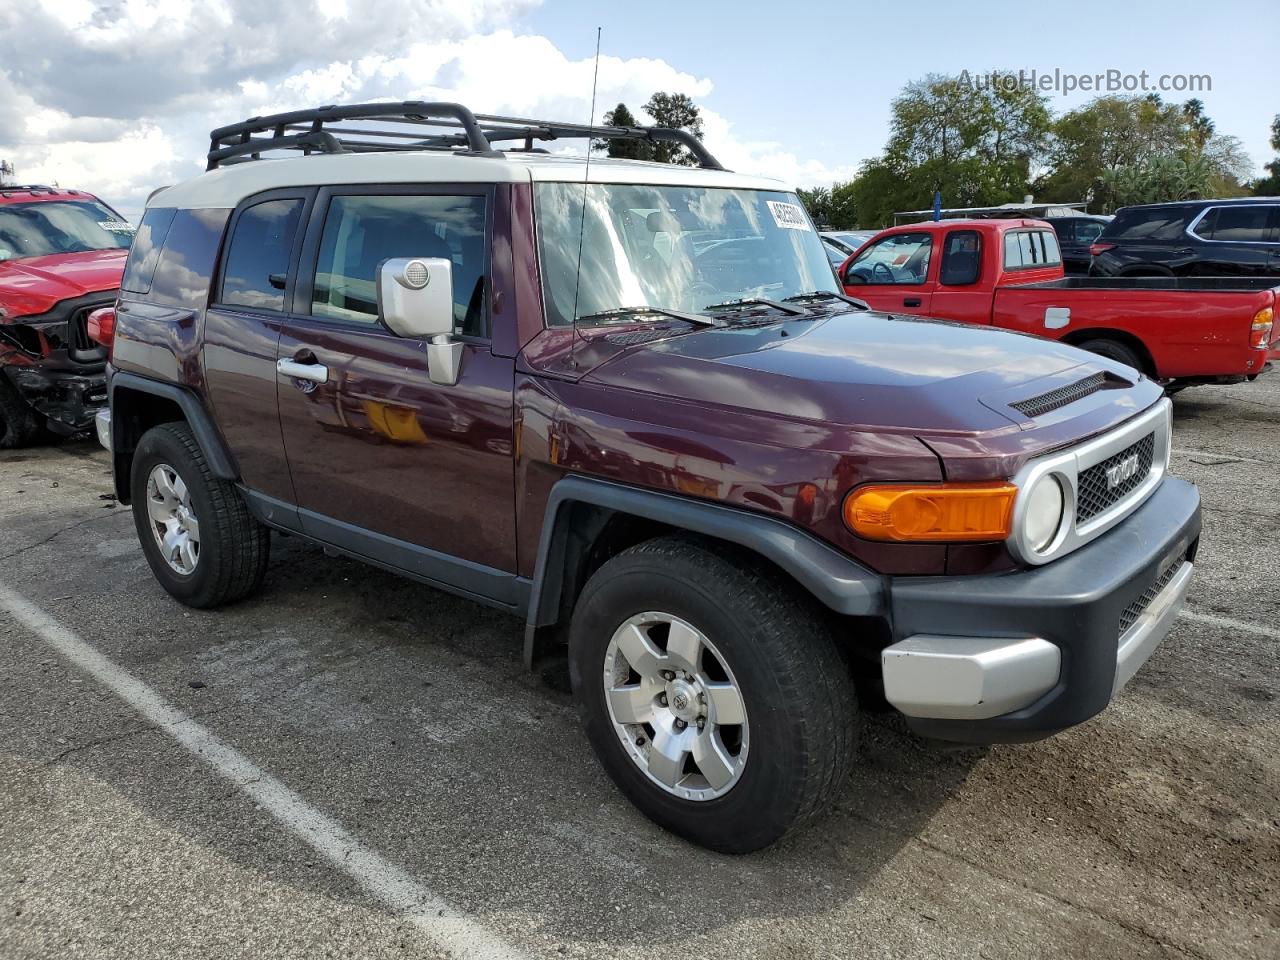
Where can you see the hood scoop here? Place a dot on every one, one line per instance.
(1060, 396)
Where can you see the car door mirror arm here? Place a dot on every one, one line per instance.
(415, 300)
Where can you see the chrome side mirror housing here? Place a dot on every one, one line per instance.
(415, 300)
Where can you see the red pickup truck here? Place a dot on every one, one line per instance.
(1008, 273)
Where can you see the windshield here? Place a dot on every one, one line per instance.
(49, 227)
(680, 248)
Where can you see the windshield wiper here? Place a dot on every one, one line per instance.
(646, 311)
(757, 302)
(828, 295)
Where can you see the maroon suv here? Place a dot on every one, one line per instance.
(628, 403)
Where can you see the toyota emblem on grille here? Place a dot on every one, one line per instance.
(1118, 473)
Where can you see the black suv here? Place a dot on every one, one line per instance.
(1075, 236)
(1199, 238)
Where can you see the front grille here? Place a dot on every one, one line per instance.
(1054, 399)
(1095, 494)
(79, 330)
(1134, 610)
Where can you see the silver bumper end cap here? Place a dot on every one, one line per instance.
(1153, 625)
(102, 423)
(968, 678)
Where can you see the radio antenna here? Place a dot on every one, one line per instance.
(582, 224)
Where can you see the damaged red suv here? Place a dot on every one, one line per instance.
(61, 256)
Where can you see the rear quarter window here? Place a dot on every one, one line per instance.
(185, 269)
(1153, 223)
(1024, 249)
(145, 252)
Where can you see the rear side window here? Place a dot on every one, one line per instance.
(184, 274)
(145, 252)
(1242, 224)
(1088, 231)
(1031, 248)
(362, 231)
(961, 257)
(1151, 223)
(256, 267)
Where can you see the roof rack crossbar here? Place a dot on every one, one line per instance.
(453, 126)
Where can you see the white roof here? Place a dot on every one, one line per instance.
(227, 186)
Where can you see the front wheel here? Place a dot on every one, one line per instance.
(19, 425)
(713, 692)
(198, 536)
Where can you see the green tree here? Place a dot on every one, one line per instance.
(620, 116)
(678, 111)
(977, 142)
(1269, 186)
(1103, 149)
(818, 202)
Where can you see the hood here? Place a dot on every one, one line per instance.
(863, 370)
(35, 285)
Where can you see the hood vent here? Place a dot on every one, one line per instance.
(1054, 399)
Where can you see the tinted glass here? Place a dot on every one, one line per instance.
(1088, 231)
(1151, 223)
(898, 258)
(145, 252)
(1242, 224)
(257, 261)
(185, 270)
(46, 228)
(961, 258)
(1031, 248)
(362, 231)
(682, 248)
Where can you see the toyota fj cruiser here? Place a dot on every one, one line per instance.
(628, 403)
(61, 254)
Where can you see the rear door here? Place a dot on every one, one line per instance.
(894, 274)
(385, 462)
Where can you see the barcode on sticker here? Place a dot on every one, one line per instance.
(789, 216)
(116, 226)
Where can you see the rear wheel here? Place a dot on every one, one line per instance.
(1114, 350)
(712, 692)
(19, 424)
(198, 536)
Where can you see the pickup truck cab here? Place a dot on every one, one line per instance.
(626, 403)
(1008, 273)
(61, 255)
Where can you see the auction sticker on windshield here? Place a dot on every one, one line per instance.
(116, 226)
(789, 216)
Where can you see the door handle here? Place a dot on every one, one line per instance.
(911, 301)
(314, 372)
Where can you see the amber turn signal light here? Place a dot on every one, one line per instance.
(1262, 326)
(931, 513)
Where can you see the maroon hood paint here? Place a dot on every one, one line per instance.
(35, 285)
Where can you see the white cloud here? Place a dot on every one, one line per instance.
(124, 106)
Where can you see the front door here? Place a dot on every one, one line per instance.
(892, 274)
(385, 462)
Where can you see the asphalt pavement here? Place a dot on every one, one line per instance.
(354, 765)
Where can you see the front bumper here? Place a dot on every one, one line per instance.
(67, 399)
(1020, 656)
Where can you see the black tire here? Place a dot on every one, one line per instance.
(234, 547)
(1114, 350)
(796, 688)
(19, 424)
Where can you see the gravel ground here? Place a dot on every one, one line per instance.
(401, 718)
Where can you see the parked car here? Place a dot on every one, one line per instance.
(745, 502)
(842, 244)
(1008, 273)
(1075, 236)
(61, 255)
(1201, 238)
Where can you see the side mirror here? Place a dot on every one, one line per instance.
(415, 300)
(851, 278)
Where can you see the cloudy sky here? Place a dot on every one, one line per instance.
(118, 96)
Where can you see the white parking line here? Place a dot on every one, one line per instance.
(1270, 632)
(435, 919)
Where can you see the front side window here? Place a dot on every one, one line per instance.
(898, 258)
(1236, 224)
(257, 262)
(673, 247)
(362, 231)
(47, 228)
(1031, 248)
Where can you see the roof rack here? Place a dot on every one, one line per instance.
(30, 188)
(415, 125)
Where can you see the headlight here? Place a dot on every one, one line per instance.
(1043, 515)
